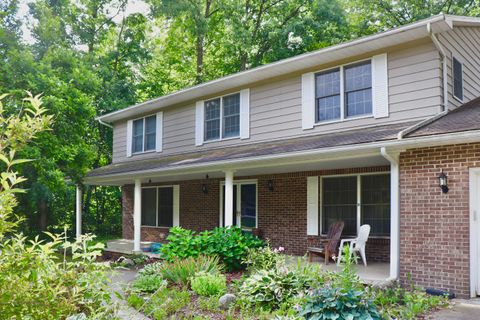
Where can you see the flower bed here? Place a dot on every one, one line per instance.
(199, 287)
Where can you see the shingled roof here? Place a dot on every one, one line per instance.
(286, 146)
(463, 118)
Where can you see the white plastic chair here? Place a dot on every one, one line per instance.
(357, 244)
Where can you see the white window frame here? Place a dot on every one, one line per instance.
(455, 57)
(239, 183)
(144, 135)
(156, 206)
(342, 93)
(221, 138)
(359, 198)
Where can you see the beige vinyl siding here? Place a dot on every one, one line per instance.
(275, 107)
(464, 44)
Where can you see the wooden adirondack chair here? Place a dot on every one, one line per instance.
(329, 245)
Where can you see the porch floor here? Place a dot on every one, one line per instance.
(375, 273)
(125, 246)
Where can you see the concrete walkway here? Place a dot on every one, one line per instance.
(460, 310)
(119, 281)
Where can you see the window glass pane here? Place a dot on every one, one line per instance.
(212, 119)
(339, 202)
(150, 132)
(249, 205)
(165, 207)
(457, 79)
(327, 91)
(376, 203)
(231, 115)
(358, 89)
(149, 209)
(137, 136)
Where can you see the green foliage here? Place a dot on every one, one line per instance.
(406, 303)
(180, 271)
(209, 304)
(263, 258)
(230, 244)
(165, 302)
(206, 284)
(151, 269)
(268, 289)
(148, 283)
(34, 284)
(338, 303)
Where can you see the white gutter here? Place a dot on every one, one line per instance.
(104, 123)
(440, 49)
(420, 124)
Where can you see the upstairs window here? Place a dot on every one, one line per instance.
(344, 92)
(144, 134)
(457, 79)
(222, 117)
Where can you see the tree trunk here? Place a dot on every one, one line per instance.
(42, 214)
(199, 49)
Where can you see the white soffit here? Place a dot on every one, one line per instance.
(298, 63)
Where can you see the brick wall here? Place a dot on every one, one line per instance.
(281, 213)
(434, 227)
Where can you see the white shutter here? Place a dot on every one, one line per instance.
(129, 137)
(312, 206)
(199, 114)
(176, 205)
(308, 100)
(380, 86)
(245, 114)
(159, 132)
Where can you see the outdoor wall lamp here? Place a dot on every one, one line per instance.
(270, 185)
(442, 181)
(204, 186)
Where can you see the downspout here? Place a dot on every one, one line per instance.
(393, 158)
(104, 123)
(440, 49)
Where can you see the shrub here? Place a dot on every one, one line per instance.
(205, 284)
(336, 303)
(229, 244)
(151, 269)
(403, 303)
(268, 289)
(263, 258)
(148, 283)
(180, 271)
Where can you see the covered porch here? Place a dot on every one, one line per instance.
(279, 203)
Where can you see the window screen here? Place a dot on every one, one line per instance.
(137, 136)
(327, 91)
(231, 115)
(375, 192)
(149, 207)
(457, 79)
(212, 119)
(150, 132)
(358, 89)
(339, 202)
(165, 207)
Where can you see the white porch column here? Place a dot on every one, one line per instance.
(78, 212)
(229, 211)
(137, 215)
(393, 158)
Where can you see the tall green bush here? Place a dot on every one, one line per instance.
(230, 244)
(34, 282)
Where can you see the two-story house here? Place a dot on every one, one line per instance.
(358, 132)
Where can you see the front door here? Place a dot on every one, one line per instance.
(244, 205)
(475, 231)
